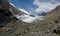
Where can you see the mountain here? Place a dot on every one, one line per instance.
(50, 26)
(42, 14)
(46, 27)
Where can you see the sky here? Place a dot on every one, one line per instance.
(36, 6)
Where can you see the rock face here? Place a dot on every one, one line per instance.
(3, 3)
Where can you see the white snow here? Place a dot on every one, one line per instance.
(29, 19)
(23, 11)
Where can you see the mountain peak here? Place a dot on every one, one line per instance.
(58, 6)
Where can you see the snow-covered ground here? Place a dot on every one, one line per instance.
(29, 19)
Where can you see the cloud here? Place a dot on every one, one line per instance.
(45, 5)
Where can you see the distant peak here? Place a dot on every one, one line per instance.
(58, 6)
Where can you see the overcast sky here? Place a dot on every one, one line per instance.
(36, 6)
